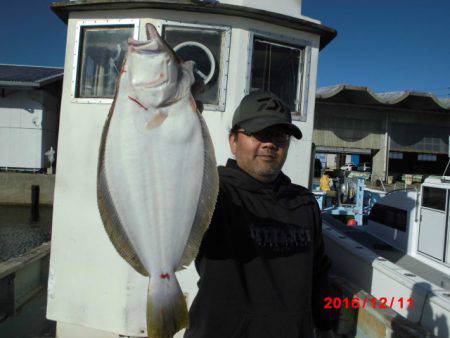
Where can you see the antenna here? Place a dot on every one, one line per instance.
(446, 178)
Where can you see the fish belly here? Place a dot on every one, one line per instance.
(154, 179)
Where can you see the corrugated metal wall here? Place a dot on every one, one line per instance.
(348, 127)
(407, 137)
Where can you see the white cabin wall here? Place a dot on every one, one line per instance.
(113, 297)
(298, 163)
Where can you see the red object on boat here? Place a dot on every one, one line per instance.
(351, 223)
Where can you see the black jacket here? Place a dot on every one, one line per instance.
(262, 266)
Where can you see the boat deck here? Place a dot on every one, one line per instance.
(390, 253)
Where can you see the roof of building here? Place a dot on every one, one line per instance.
(345, 93)
(63, 8)
(28, 76)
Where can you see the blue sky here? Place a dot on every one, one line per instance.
(31, 34)
(387, 45)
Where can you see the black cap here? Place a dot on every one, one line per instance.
(262, 109)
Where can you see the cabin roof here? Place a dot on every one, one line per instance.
(407, 99)
(28, 76)
(437, 180)
(63, 8)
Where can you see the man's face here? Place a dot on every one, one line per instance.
(261, 154)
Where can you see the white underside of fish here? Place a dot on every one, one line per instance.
(157, 183)
(155, 180)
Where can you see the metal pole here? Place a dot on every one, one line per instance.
(387, 145)
(359, 207)
(34, 203)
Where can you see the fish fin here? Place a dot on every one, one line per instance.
(207, 202)
(114, 227)
(108, 212)
(166, 308)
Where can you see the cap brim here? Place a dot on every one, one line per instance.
(255, 125)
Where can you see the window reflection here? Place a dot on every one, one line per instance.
(392, 217)
(101, 55)
(275, 67)
(434, 198)
(200, 45)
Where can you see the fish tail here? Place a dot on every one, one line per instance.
(166, 307)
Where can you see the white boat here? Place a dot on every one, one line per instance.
(401, 253)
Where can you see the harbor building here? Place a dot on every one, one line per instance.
(395, 132)
(29, 115)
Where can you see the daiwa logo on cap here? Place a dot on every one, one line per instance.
(270, 104)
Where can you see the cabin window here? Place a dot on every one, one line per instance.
(276, 67)
(434, 198)
(208, 47)
(389, 216)
(102, 53)
(100, 48)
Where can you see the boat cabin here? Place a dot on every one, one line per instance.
(238, 46)
(433, 239)
(416, 222)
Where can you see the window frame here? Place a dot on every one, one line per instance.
(447, 196)
(304, 68)
(77, 53)
(376, 215)
(224, 60)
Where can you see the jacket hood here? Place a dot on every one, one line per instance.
(287, 194)
(235, 176)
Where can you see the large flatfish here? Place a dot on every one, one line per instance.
(157, 178)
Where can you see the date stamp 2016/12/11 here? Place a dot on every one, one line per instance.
(357, 303)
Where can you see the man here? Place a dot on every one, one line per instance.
(262, 267)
